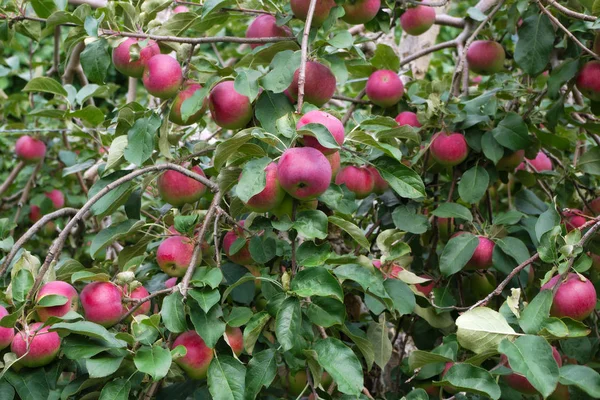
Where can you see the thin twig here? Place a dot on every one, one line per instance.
(25, 194)
(570, 13)
(138, 302)
(11, 177)
(304, 54)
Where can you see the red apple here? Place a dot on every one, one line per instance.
(594, 207)
(58, 288)
(417, 20)
(335, 162)
(35, 213)
(574, 220)
(358, 180)
(384, 88)
(360, 11)
(426, 287)
(57, 198)
(134, 68)
(271, 196)
(448, 149)
(319, 83)
(242, 256)
(189, 89)
(588, 80)
(541, 162)
(229, 109)
(6, 334)
(322, 9)
(575, 298)
(448, 389)
(235, 339)
(30, 150)
(198, 357)
(380, 184)
(304, 172)
(169, 283)
(519, 382)
(485, 57)
(139, 293)
(36, 345)
(333, 125)
(102, 303)
(408, 118)
(178, 189)
(482, 257)
(180, 9)
(265, 25)
(162, 76)
(174, 255)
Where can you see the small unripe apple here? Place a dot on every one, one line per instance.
(162, 76)
(360, 11)
(384, 88)
(575, 298)
(510, 161)
(235, 339)
(574, 220)
(265, 25)
(174, 255)
(449, 149)
(102, 303)
(335, 161)
(417, 20)
(134, 68)
(30, 150)
(304, 172)
(588, 80)
(6, 334)
(380, 184)
(519, 382)
(228, 108)
(178, 189)
(242, 256)
(482, 257)
(408, 118)
(271, 196)
(36, 345)
(139, 293)
(319, 84)
(541, 163)
(198, 357)
(58, 288)
(358, 180)
(332, 124)
(188, 91)
(485, 57)
(322, 9)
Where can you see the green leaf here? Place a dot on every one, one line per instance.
(43, 8)
(226, 378)
(230, 146)
(90, 329)
(354, 231)
(531, 356)
(457, 253)
(116, 390)
(207, 276)
(482, 329)
(473, 184)
(476, 14)
(21, 285)
(238, 316)
(262, 369)
(113, 199)
(317, 281)
(589, 162)
(581, 376)
(321, 133)
(342, 364)
(246, 83)
(311, 224)
(113, 233)
(141, 139)
(377, 333)
(512, 132)
(546, 221)
(283, 67)
(420, 358)
(29, 385)
(402, 297)
(253, 179)
(406, 182)
(534, 315)
(52, 300)
(253, 329)
(385, 58)
(466, 377)
(213, 5)
(154, 361)
(96, 61)
(101, 367)
(406, 218)
(209, 325)
(205, 298)
(326, 312)
(535, 44)
(270, 107)
(288, 323)
(310, 254)
(45, 85)
(342, 40)
(173, 313)
(453, 210)
(561, 75)
(514, 248)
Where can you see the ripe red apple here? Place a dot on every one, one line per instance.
(417, 20)
(359, 180)
(228, 108)
(384, 88)
(335, 162)
(139, 293)
(6, 334)
(188, 91)
(408, 118)
(162, 76)
(122, 59)
(102, 303)
(169, 283)
(178, 189)
(174, 255)
(574, 220)
(482, 257)
(235, 339)
(380, 184)
(265, 25)
(319, 83)
(426, 287)
(43, 346)
(35, 213)
(448, 149)
(485, 57)
(304, 172)
(198, 357)
(57, 198)
(519, 382)
(511, 161)
(29, 149)
(271, 196)
(594, 207)
(588, 80)
(360, 11)
(242, 256)
(58, 288)
(541, 162)
(322, 9)
(180, 9)
(332, 124)
(574, 298)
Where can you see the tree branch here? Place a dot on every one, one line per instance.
(570, 13)
(138, 302)
(25, 193)
(302, 73)
(11, 177)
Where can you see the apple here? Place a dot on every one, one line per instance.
(485, 57)
(174, 255)
(448, 389)
(359, 180)
(541, 162)
(588, 80)
(102, 303)
(594, 207)
(426, 287)
(319, 83)
(296, 382)
(322, 9)
(169, 283)
(35, 213)
(417, 20)
(198, 357)
(333, 125)
(519, 382)
(271, 196)
(575, 298)
(235, 339)
(123, 63)
(479, 285)
(242, 256)
(335, 161)
(384, 88)
(58, 288)
(6, 334)
(36, 345)
(448, 149)
(265, 25)
(510, 161)
(189, 89)
(139, 293)
(574, 220)
(57, 198)
(287, 205)
(360, 11)
(380, 184)
(178, 189)
(229, 109)
(162, 76)
(304, 172)
(482, 257)
(408, 118)
(180, 9)
(29, 149)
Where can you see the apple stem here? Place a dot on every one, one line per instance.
(304, 54)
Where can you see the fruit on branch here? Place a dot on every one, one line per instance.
(380, 184)
(174, 255)
(296, 382)
(271, 196)
(426, 287)
(360, 11)
(57, 197)
(319, 84)
(417, 20)
(384, 88)
(198, 357)
(588, 80)
(359, 180)
(304, 172)
(178, 189)
(519, 382)
(123, 63)
(449, 149)
(335, 161)
(574, 219)
(229, 109)
(265, 25)
(180, 9)
(102, 303)
(478, 285)
(162, 76)
(36, 345)
(322, 9)
(29, 149)
(575, 298)
(138, 293)
(169, 283)
(61, 289)
(6, 334)
(485, 57)
(541, 163)
(510, 161)
(482, 257)
(235, 339)
(408, 118)
(286, 206)
(175, 116)
(594, 207)
(58, 201)
(242, 256)
(333, 125)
